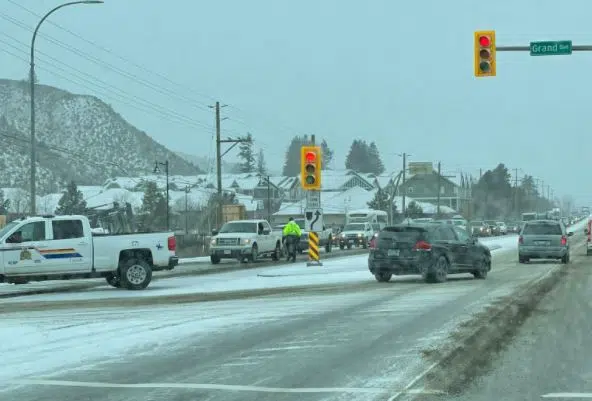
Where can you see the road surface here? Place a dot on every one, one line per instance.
(551, 356)
(343, 345)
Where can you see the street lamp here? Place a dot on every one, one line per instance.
(166, 171)
(32, 89)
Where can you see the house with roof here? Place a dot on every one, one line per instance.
(342, 180)
(425, 185)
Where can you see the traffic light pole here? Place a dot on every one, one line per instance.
(313, 214)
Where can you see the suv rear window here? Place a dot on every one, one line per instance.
(402, 233)
(542, 229)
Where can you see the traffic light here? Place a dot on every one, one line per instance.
(310, 167)
(485, 54)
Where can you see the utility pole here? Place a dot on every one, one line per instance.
(403, 184)
(268, 200)
(439, 187)
(219, 156)
(516, 192)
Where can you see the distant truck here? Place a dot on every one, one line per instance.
(64, 247)
(245, 240)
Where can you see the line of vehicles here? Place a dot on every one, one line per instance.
(434, 249)
(249, 240)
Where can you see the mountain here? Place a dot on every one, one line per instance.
(204, 162)
(79, 137)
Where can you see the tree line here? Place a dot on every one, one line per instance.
(363, 157)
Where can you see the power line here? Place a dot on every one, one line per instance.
(128, 99)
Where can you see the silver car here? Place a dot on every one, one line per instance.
(543, 239)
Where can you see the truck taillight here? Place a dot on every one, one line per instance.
(422, 246)
(563, 240)
(521, 239)
(172, 242)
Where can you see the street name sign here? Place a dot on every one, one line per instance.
(551, 48)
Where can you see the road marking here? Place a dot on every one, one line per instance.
(407, 389)
(228, 387)
(567, 395)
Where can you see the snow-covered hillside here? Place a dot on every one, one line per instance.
(79, 137)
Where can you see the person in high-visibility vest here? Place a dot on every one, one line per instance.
(292, 233)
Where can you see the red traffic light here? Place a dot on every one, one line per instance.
(484, 41)
(310, 157)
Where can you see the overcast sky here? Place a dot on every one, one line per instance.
(397, 73)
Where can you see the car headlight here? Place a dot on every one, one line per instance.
(245, 241)
(213, 241)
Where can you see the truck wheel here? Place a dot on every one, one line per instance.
(113, 280)
(341, 247)
(136, 274)
(215, 259)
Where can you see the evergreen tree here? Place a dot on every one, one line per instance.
(358, 158)
(380, 201)
(292, 160)
(154, 208)
(72, 201)
(261, 166)
(413, 210)
(327, 155)
(376, 164)
(247, 155)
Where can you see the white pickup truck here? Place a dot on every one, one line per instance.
(64, 247)
(245, 240)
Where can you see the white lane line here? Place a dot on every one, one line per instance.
(407, 388)
(567, 395)
(228, 387)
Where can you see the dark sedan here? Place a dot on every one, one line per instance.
(430, 250)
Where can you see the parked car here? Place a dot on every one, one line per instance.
(543, 239)
(430, 250)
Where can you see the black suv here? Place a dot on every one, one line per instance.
(430, 250)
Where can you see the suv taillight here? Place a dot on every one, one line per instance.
(521, 239)
(172, 243)
(422, 246)
(563, 240)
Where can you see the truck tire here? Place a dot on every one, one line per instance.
(135, 274)
(113, 279)
(215, 259)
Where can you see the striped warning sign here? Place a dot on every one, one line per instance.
(313, 246)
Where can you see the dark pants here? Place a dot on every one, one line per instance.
(291, 244)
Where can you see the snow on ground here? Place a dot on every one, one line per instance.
(352, 269)
(41, 342)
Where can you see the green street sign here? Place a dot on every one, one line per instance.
(554, 48)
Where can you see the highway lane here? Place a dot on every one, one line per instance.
(349, 345)
(551, 356)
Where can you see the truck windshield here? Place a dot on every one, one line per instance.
(354, 227)
(7, 228)
(238, 227)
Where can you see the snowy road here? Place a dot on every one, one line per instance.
(200, 269)
(348, 344)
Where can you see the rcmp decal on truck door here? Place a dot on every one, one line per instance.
(64, 253)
